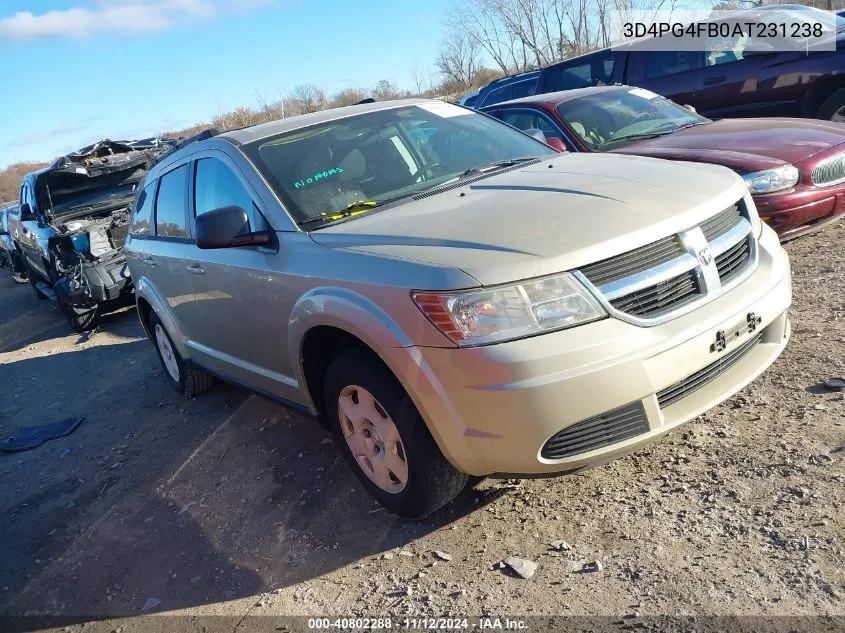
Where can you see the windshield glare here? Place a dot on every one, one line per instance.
(382, 156)
(610, 118)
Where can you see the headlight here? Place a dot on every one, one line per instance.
(493, 315)
(771, 180)
(80, 242)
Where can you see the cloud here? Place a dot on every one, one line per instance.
(127, 16)
(40, 137)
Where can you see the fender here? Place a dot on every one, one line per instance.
(145, 290)
(346, 310)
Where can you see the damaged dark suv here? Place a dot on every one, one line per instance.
(74, 217)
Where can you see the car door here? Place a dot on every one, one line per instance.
(141, 228)
(675, 75)
(163, 254)
(238, 335)
(32, 231)
(739, 83)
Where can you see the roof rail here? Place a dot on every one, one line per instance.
(367, 100)
(205, 134)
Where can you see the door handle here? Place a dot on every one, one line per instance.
(196, 269)
(712, 81)
(149, 260)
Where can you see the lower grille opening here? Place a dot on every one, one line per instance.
(703, 377)
(597, 432)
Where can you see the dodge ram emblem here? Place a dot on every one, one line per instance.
(705, 256)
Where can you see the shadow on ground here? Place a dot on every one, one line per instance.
(158, 502)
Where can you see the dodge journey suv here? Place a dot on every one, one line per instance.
(450, 295)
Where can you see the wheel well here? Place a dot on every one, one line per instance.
(321, 346)
(144, 309)
(819, 94)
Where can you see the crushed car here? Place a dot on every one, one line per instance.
(73, 221)
(9, 255)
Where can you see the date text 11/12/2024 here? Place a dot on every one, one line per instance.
(428, 624)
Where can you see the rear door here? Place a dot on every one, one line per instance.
(675, 75)
(163, 255)
(238, 335)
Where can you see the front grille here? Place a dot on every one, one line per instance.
(830, 171)
(666, 295)
(733, 261)
(633, 262)
(721, 223)
(658, 280)
(597, 432)
(703, 377)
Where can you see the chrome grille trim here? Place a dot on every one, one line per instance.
(676, 286)
(703, 377)
(597, 432)
(829, 172)
(626, 265)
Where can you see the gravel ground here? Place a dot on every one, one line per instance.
(230, 505)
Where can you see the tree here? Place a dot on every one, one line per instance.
(459, 58)
(306, 98)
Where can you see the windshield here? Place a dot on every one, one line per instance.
(371, 159)
(607, 119)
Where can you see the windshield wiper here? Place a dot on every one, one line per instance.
(658, 131)
(501, 164)
(353, 208)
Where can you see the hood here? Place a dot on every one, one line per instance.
(71, 180)
(744, 145)
(557, 215)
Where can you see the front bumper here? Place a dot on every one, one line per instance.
(802, 210)
(493, 409)
(106, 281)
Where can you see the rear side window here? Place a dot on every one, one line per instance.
(523, 88)
(170, 203)
(498, 95)
(597, 71)
(662, 63)
(142, 219)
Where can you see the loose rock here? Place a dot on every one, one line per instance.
(521, 566)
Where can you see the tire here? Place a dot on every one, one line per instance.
(189, 381)
(419, 479)
(833, 108)
(81, 322)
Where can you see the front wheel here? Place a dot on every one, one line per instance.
(81, 319)
(384, 439)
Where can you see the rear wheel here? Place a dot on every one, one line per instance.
(833, 108)
(384, 439)
(33, 278)
(189, 381)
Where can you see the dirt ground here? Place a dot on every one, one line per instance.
(230, 505)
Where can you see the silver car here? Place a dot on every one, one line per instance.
(452, 297)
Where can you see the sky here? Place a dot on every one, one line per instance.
(77, 71)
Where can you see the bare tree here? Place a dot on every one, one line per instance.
(306, 98)
(459, 58)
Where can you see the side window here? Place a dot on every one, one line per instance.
(662, 63)
(568, 78)
(527, 120)
(523, 88)
(216, 185)
(728, 51)
(170, 203)
(143, 211)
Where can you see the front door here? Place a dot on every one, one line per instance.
(239, 336)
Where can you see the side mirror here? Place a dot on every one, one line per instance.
(26, 213)
(690, 108)
(227, 227)
(556, 143)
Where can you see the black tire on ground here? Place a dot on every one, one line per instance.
(833, 108)
(81, 322)
(432, 480)
(192, 381)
